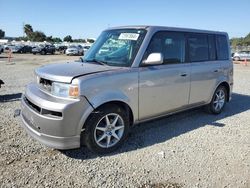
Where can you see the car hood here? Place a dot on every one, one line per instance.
(67, 71)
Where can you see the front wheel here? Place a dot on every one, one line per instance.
(106, 129)
(218, 101)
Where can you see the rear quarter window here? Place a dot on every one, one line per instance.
(222, 47)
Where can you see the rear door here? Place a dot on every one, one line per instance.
(205, 69)
(164, 88)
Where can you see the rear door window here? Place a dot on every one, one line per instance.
(198, 47)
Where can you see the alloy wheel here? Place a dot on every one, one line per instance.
(219, 100)
(109, 130)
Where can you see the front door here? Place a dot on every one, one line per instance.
(164, 88)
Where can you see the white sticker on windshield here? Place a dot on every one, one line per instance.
(128, 36)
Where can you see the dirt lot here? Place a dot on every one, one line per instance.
(190, 149)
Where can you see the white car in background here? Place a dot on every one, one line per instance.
(75, 50)
(241, 55)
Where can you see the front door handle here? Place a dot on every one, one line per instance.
(216, 70)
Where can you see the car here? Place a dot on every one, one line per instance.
(85, 49)
(74, 50)
(142, 73)
(9, 47)
(44, 49)
(61, 49)
(241, 55)
(22, 49)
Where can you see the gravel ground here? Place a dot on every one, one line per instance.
(190, 149)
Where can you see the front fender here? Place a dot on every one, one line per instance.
(100, 99)
(107, 96)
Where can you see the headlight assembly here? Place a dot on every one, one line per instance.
(65, 90)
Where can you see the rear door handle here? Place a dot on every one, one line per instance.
(184, 74)
(216, 70)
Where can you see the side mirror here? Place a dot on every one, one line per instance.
(154, 59)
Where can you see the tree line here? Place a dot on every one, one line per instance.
(240, 41)
(39, 36)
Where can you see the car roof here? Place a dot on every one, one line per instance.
(166, 28)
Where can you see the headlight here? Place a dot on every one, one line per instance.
(64, 90)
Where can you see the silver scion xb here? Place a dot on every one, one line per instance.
(130, 74)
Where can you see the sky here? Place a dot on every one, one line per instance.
(87, 18)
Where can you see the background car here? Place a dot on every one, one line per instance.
(14, 49)
(75, 50)
(9, 46)
(241, 55)
(85, 48)
(61, 49)
(44, 49)
(22, 49)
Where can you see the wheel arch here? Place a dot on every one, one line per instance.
(226, 85)
(121, 104)
(94, 109)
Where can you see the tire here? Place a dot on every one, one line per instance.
(218, 101)
(43, 53)
(34, 53)
(237, 58)
(100, 135)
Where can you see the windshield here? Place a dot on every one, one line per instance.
(116, 47)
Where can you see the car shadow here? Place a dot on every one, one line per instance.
(10, 97)
(161, 130)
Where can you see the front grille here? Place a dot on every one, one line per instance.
(42, 111)
(32, 105)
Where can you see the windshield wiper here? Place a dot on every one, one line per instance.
(97, 61)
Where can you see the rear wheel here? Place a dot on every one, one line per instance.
(43, 53)
(106, 129)
(218, 101)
